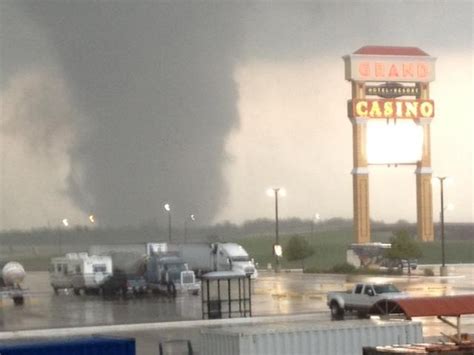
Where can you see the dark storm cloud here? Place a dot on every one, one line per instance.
(153, 82)
(156, 81)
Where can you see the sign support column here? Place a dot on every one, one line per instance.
(360, 172)
(424, 195)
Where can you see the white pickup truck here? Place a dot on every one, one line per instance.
(360, 299)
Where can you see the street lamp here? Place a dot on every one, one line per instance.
(192, 217)
(314, 220)
(277, 249)
(167, 208)
(443, 269)
(65, 223)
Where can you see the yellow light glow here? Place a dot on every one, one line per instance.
(271, 191)
(394, 143)
(92, 218)
(65, 222)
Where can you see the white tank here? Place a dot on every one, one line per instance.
(13, 273)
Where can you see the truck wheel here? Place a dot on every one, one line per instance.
(337, 313)
(56, 291)
(18, 300)
(77, 291)
(171, 289)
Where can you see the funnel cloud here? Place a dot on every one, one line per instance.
(203, 105)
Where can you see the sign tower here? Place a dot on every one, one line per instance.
(390, 83)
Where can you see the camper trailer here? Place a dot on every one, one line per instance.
(80, 271)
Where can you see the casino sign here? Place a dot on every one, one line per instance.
(390, 83)
(405, 109)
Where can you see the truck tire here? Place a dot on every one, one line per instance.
(171, 289)
(337, 313)
(18, 300)
(77, 291)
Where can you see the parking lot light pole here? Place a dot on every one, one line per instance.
(277, 250)
(443, 270)
(167, 208)
(192, 217)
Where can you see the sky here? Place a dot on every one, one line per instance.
(114, 108)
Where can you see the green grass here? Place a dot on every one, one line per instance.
(330, 250)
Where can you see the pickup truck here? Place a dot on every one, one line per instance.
(360, 299)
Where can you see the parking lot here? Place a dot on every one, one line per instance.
(277, 295)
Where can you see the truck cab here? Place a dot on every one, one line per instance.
(168, 272)
(232, 256)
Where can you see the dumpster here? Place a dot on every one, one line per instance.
(70, 346)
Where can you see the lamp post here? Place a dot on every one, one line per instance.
(167, 208)
(314, 221)
(192, 217)
(443, 270)
(277, 250)
(65, 223)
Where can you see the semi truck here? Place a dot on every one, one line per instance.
(139, 268)
(205, 257)
(11, 279)
(168, 274)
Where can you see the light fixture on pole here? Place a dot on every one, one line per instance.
(192, 217)
(314, 220)
(443, 269)
(167, 208)
(277, 249)
(65, 223)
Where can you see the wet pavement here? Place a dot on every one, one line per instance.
(273, 295)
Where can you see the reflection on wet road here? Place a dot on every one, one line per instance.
(285, 293)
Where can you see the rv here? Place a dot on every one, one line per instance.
(80, 272)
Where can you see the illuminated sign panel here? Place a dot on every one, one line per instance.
(410, 109)
(394, 143)
(389, 68)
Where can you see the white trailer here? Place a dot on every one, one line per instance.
(79, 271)
(309, 338)
(204, 257)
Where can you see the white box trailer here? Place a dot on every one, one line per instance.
(309, 338)
(206, 257)
(79, 271)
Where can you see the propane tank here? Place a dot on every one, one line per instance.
(13, 274)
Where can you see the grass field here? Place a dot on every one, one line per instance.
(330, 249)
